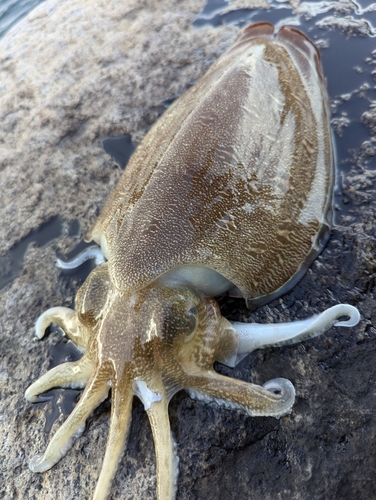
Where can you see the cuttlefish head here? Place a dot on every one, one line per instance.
(150, 344)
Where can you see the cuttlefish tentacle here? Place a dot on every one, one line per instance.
(95, 392)
(275, 398)
(67, 320)
(166, 458)
(74, 375)
(93, 252)
(121, 417)
(257, 336)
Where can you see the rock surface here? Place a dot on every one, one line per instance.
(72, 73)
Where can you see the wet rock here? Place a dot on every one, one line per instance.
(369, 118)
(72, 73)
(244, 4)
(349, 25)
(312, 9)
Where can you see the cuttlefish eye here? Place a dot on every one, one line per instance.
(192, 315)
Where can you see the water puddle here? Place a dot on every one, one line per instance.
(119, 148)
(12, 11)
(11, 264)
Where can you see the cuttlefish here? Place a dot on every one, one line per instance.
(230, 191)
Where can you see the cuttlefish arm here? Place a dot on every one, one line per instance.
(156, 406)
(275, 398)
(67, 320)
(165, 449)
(121, 417)
(96, 391)
(252, 336)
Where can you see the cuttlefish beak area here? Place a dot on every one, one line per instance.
(151, 345)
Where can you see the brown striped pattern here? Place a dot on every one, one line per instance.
(235, 176)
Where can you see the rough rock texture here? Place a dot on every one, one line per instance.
(72, 73)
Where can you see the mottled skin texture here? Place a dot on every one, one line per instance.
(243, 160)
(235, 177)
(165, 338)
